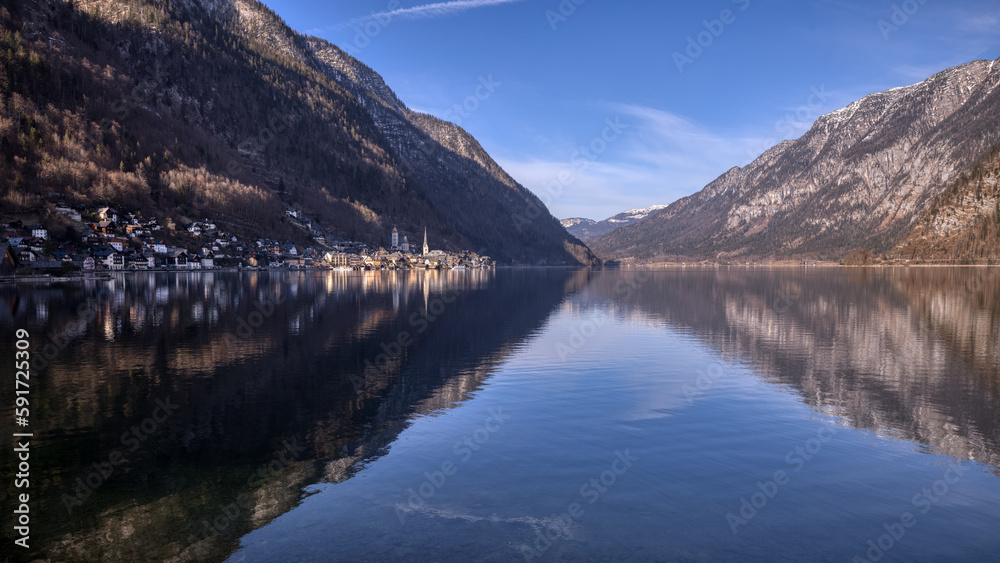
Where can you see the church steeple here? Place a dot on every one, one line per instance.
(426, 249)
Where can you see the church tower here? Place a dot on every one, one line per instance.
(395, 238)
(426, 249)
(406, 245)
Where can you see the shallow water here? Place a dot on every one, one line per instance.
(544, 415)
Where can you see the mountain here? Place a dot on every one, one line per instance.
(862, 177)
(588, 229)
(215, 108)
(575, 222)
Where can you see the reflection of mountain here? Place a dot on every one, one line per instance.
(298, 378)
(911, 353)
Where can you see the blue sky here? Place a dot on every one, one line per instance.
(599, 106)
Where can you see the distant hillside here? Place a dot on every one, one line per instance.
(861, 177)
(215, 108)
(588, 229)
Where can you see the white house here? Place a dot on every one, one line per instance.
(115, 261)
(38, 231)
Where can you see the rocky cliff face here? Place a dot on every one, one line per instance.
(962, 223)
(862, 176)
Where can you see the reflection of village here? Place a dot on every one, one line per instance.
(282, 345)
(128, 303)
(106, 239)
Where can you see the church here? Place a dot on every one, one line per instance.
(404, 247)
(394, 243)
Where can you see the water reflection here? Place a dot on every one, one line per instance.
(279, 381)
(908, 353)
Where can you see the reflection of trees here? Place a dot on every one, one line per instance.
(908, 352)
(294, 378)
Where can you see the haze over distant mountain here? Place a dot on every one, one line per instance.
(863, 176)
(588, 229)
(216, 108)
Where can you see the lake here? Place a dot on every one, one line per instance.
(699, 414)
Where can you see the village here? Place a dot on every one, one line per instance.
(108, 239)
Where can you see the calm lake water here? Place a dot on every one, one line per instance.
(722, 414)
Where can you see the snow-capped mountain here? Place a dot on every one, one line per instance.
(588, 229)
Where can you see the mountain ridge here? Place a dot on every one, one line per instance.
(860, 177)
(205, 108)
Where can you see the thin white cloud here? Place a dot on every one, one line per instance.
(660, 158)
(436, 9)
(981, 23)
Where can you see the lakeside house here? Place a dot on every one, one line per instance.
(38, 231)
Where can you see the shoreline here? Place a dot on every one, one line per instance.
(810, 265)
(103, 275)
(108, 275)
